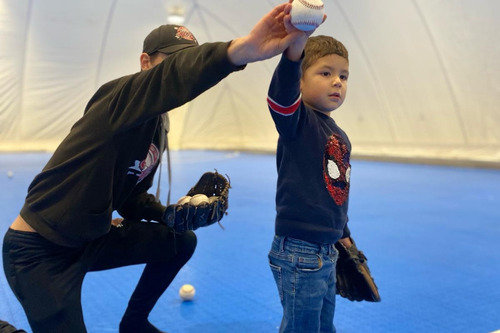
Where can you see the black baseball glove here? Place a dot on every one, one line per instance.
(354, 280)
(190, 215)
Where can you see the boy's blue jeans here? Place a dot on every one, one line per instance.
(305, 276)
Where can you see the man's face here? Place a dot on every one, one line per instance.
(150, 61)
(157, 58)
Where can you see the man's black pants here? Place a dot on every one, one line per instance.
(47, 278)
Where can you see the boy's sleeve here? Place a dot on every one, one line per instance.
(346, 232)
(284, 99)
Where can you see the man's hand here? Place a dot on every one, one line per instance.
(272, 35)
(117, 222)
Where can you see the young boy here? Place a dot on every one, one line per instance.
(313, 180)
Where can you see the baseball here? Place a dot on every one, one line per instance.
(187, 292)
(10, 174)
(307, 15)
(198, 199)
(183, 200)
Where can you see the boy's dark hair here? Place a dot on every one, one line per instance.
(320, 46)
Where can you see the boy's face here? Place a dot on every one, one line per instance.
(324, 83)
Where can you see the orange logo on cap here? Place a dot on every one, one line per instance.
(184, 33)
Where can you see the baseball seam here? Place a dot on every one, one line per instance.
(310, 5)
(306, 23)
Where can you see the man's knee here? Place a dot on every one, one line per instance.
(186, 244)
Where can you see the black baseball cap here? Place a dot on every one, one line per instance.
(168, 38)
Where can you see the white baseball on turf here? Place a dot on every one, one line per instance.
(198, 199)
(183, 200)
(187, 292)
(307, 15)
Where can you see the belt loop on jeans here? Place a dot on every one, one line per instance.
(333, 249)
(282, 244)
(330, 249)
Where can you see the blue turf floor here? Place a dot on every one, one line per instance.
(431, 235)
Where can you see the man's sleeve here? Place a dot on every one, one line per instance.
(178, 79)
(141, 205)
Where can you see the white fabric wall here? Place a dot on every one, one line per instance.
(424, 77)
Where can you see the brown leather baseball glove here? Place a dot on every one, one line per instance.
(354, 280)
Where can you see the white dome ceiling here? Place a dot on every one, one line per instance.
(424, 75)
